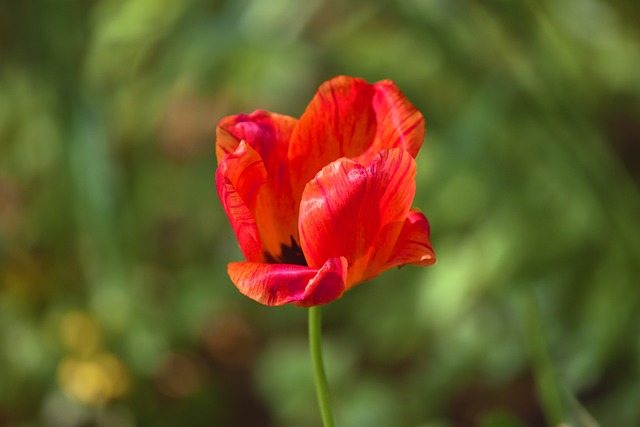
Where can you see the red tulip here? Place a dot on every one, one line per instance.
(323, 203)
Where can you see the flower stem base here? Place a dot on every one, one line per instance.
(315, 345)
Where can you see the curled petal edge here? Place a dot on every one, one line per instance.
(414, 244)
(264, 131)
(279, 284)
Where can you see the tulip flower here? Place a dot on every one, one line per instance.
(323, 203)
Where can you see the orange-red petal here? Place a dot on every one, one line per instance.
(338, 122)
(399, 123)
(414, 244)
(349, 117)
(278, 284)
(239, 178)
(357, 212)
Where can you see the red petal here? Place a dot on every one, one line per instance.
(278, 284)
(413, 245)
(357, 212)
(339, 122)
(349, 117)
(275, 209)
(239, 178)
(400, 124)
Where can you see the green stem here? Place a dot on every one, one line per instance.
(547, 384)
(315, 344)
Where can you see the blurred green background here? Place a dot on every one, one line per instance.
(115, 306)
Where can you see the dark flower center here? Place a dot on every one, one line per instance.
(289, 254)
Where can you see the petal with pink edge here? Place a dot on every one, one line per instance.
(279, 284)
(268, 134)
(275, 210)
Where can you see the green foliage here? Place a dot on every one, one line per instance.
(115, 306)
